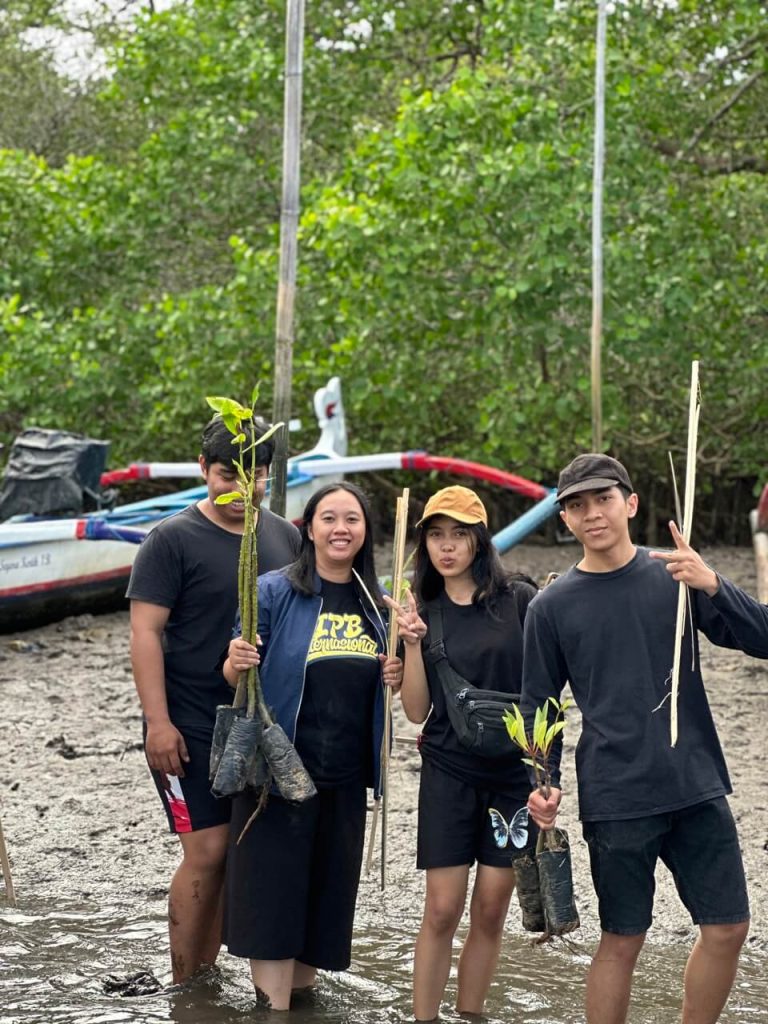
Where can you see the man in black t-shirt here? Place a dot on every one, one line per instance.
(183, 593)
(608, 628)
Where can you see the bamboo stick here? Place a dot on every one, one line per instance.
(694, 409)
(10, 895)
(381, 806)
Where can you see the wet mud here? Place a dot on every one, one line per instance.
(91, 856)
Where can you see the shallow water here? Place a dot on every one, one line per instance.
(55, 956)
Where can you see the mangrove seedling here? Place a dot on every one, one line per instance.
(253, 737)
(538, 746)
(545, 884)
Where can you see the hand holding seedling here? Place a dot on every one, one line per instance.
(687, 566)
(543, 809)
(411, 628)
(243, 655)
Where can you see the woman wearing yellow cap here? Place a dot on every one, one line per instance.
(463, 631)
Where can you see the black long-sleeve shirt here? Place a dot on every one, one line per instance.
(611, 635)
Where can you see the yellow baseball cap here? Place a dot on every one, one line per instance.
(460, 503)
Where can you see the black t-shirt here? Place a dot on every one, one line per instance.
(611, 634)
(334, 730)
(487, 650)
(189, 564)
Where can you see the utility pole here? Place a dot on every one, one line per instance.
(289, 221)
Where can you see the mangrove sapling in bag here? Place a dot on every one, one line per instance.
(251, 750)
(225, 716)
(553, 860)
(528, 892)
(291, 778)
(242, 747)
(552, 863)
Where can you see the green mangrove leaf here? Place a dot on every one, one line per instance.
(272, 430)
(229, 497)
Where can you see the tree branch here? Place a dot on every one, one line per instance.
(723, 110)
(714, 165)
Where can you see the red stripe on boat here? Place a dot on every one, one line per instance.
(74, 581)
(136, 471)
(498, 477)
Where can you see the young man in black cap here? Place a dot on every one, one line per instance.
(607, 626)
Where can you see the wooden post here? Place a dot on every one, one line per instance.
(289, 220)
(760, 542)
(10, 895)
(597, 233)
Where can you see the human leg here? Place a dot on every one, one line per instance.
(443, 907)
(622, 857)
(487, 913)
(450, 813)
(304, 976)
(273, 982)
(195, 901)
(609, 982)
(711, 970)
(268, 879)
(702, 852)
(334, 878)
(196, 891)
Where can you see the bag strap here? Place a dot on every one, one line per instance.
(451, 681)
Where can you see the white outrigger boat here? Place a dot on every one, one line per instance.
(47, 572)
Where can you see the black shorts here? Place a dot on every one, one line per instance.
(292, 881)
(460, 823)
(698, 844)
(188, 803)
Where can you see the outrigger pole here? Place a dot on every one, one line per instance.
(289, 221)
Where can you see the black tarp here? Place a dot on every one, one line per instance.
(52, 473)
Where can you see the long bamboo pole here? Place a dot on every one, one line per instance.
(289, 221)
(596, 334)
(382, 806)
(10, 895)
(694, 409)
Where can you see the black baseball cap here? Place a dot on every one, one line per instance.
(592, 472)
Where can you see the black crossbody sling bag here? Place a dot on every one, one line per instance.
(475, 714)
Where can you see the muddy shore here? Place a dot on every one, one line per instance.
(83, 824)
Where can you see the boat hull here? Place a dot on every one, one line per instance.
(46, 578)
(46, 581)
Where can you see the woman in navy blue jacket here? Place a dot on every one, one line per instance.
(292, 880)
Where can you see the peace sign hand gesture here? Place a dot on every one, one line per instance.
(687, 566)
(411, 628)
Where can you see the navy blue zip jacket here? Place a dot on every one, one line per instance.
(287, 622)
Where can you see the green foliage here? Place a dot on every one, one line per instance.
(237, 418)
(537, 744)
(445, 232)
